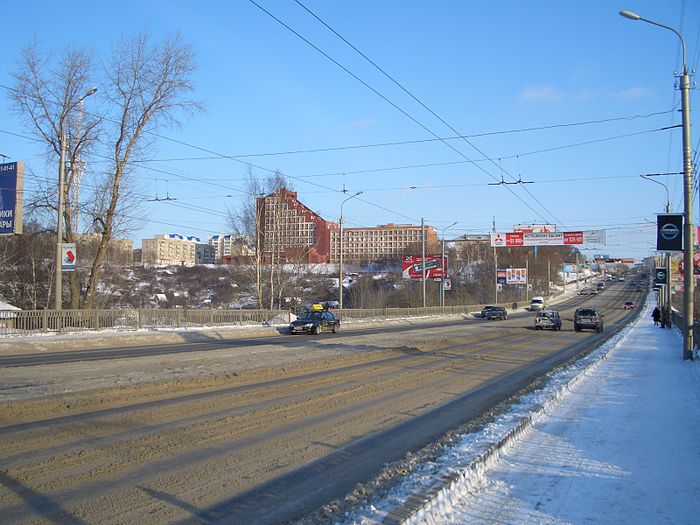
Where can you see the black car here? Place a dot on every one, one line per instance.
(315, 322)
(588, 317)
(485, 310)
(497, 312)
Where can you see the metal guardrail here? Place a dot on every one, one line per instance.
(26, 322)
(44, 321)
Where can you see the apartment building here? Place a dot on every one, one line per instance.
(119, 251)
(231, 249)
(290, 231)
(387, 241)
(170, 249)
(296, 233)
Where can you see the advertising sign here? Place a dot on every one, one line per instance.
(502, 277)
(507, 240)
(516, 276)
(500, 240)
(11, 192)
(660, 275)
(447, 284)
(68, 257)
(669, 232)
(412, 267)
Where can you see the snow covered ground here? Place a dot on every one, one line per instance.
(614, 439)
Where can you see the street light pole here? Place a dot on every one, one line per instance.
(340, 251)
(688, 278)
(667, 258)
(61, 190)
(442, 262)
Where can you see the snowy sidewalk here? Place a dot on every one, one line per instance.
(622, 447)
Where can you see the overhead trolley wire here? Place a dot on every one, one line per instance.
(420, 102)
(395, 106)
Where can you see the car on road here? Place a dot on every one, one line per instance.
(601, 286)
(537, 303)
(314, 321)
(485, 310)
(547, 319)
(629, 305)
(588, 317)
(497, 312)
(639, 289)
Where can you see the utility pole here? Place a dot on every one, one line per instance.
(422, 235)
(495, 267)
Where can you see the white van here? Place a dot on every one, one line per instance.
(537, 303)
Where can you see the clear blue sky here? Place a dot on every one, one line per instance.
(482, 67)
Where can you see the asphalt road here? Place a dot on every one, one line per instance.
(258, 429)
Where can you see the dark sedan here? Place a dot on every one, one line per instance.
(497, 312)
(314, 322)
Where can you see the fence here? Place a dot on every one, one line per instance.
(37, 321)
(44, 321)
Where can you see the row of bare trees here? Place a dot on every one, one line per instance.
(140, 88)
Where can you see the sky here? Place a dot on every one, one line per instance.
(570, 100)
(607, 441)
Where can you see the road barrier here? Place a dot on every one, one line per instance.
(46, 321)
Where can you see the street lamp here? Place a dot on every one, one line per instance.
(442, 262)
(667, 259)
(340, 250)
(688, 280)
(61, 188)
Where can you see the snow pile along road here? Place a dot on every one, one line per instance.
(607, 440)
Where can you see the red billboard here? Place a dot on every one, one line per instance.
(412, 267)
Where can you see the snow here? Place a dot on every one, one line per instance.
(612, 439)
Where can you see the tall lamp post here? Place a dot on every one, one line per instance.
(61, 189)
(442, 262)
(667, 257)
(688, 280)
(340, 251)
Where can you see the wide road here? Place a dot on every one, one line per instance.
(263, 429)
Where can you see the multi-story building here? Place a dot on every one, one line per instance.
(229, 248)
(170, 249)
(204, 254)
(119, 251)
(387, 241)
(289, 231)
(293, 232)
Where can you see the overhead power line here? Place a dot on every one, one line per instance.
(425, 106)
(536, 211)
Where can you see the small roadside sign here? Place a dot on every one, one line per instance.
(68, 257)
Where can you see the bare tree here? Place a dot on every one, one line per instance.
(145, 87)
(48, 96)
(149, 85)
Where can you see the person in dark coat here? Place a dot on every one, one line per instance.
(656, 315)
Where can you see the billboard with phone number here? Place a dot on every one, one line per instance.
(412, 267)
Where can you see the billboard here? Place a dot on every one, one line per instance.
(412, 267)
(507, 240)
(11, 192)
(516, 276)
(669, 232)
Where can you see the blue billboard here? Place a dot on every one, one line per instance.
(11, 191)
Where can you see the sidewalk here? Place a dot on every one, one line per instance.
(623, 446)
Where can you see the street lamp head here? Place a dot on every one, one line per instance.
(630, 15)
(358, 193)
(90, 91)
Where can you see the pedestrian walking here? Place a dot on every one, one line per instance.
(656, 315)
